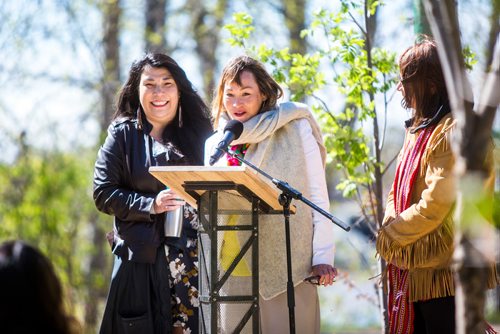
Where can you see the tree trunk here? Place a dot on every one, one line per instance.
(205, 26)
(294, 12)
(420, 23)
(154, 33)
(371, 28)
(470, 293)
(111, 61)
(474, 244)
(494, 32)
(110, 84)
(97, 291)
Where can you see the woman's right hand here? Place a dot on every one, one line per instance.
(167, 200)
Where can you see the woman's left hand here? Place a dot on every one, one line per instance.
(326, 273)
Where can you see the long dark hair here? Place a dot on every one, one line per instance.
(232, 72)
(196, 128)
(31, 296)
(423, 80)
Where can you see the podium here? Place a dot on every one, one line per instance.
(229, 201)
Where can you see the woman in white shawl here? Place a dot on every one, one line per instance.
(285, 141)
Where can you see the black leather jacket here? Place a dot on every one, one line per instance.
(124, 188)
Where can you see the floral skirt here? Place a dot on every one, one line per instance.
(182, 257)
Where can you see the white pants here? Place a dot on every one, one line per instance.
(274, 317)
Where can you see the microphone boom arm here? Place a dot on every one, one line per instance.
(290, 191)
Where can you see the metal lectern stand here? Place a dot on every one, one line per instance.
(228, 303)
(229, 201)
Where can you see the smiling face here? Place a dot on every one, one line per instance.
(159, 95)
(245, 101)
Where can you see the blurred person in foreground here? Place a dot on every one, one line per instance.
(416, 238)
(284, 140)
(31, 295)
(160, 120)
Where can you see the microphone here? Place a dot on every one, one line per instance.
(232, 131)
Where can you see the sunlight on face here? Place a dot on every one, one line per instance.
(245, 101)
(158, 95)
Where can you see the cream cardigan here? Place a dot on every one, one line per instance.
(278, 140)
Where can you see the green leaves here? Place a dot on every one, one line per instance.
(339, 59)
(46, 200)
(470, 58)
(240, 30)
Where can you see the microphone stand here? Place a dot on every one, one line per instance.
(289, 191)
(285, 198)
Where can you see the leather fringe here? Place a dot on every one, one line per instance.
(426, 284)
(414, 255)
(431, 283)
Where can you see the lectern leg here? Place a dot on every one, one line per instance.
(229, 284)
(214, 275)
(255, 265)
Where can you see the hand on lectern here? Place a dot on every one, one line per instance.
(167, 200)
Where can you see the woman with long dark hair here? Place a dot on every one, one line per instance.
(31, 295)
(160, 120)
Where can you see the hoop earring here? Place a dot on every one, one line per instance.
(139, 117)
(179, 112)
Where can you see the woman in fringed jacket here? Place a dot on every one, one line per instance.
(416, 238)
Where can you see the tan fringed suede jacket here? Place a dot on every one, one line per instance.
(420, 239)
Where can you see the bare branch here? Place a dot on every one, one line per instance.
(390, 163)
(359, 26)
(80, 31)
(384, 127)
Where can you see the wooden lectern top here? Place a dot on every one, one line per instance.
(176, 176)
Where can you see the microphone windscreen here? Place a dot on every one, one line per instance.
(234, 126)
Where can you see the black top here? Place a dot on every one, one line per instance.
(124, 188)
(440, 113)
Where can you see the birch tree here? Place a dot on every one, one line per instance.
(475, 242)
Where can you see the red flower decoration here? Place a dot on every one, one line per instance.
(240, 151)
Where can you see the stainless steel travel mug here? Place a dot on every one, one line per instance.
(173, 222)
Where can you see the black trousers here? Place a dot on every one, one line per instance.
(435, 316)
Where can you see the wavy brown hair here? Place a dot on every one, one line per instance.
(423, 80)
(232, 73)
